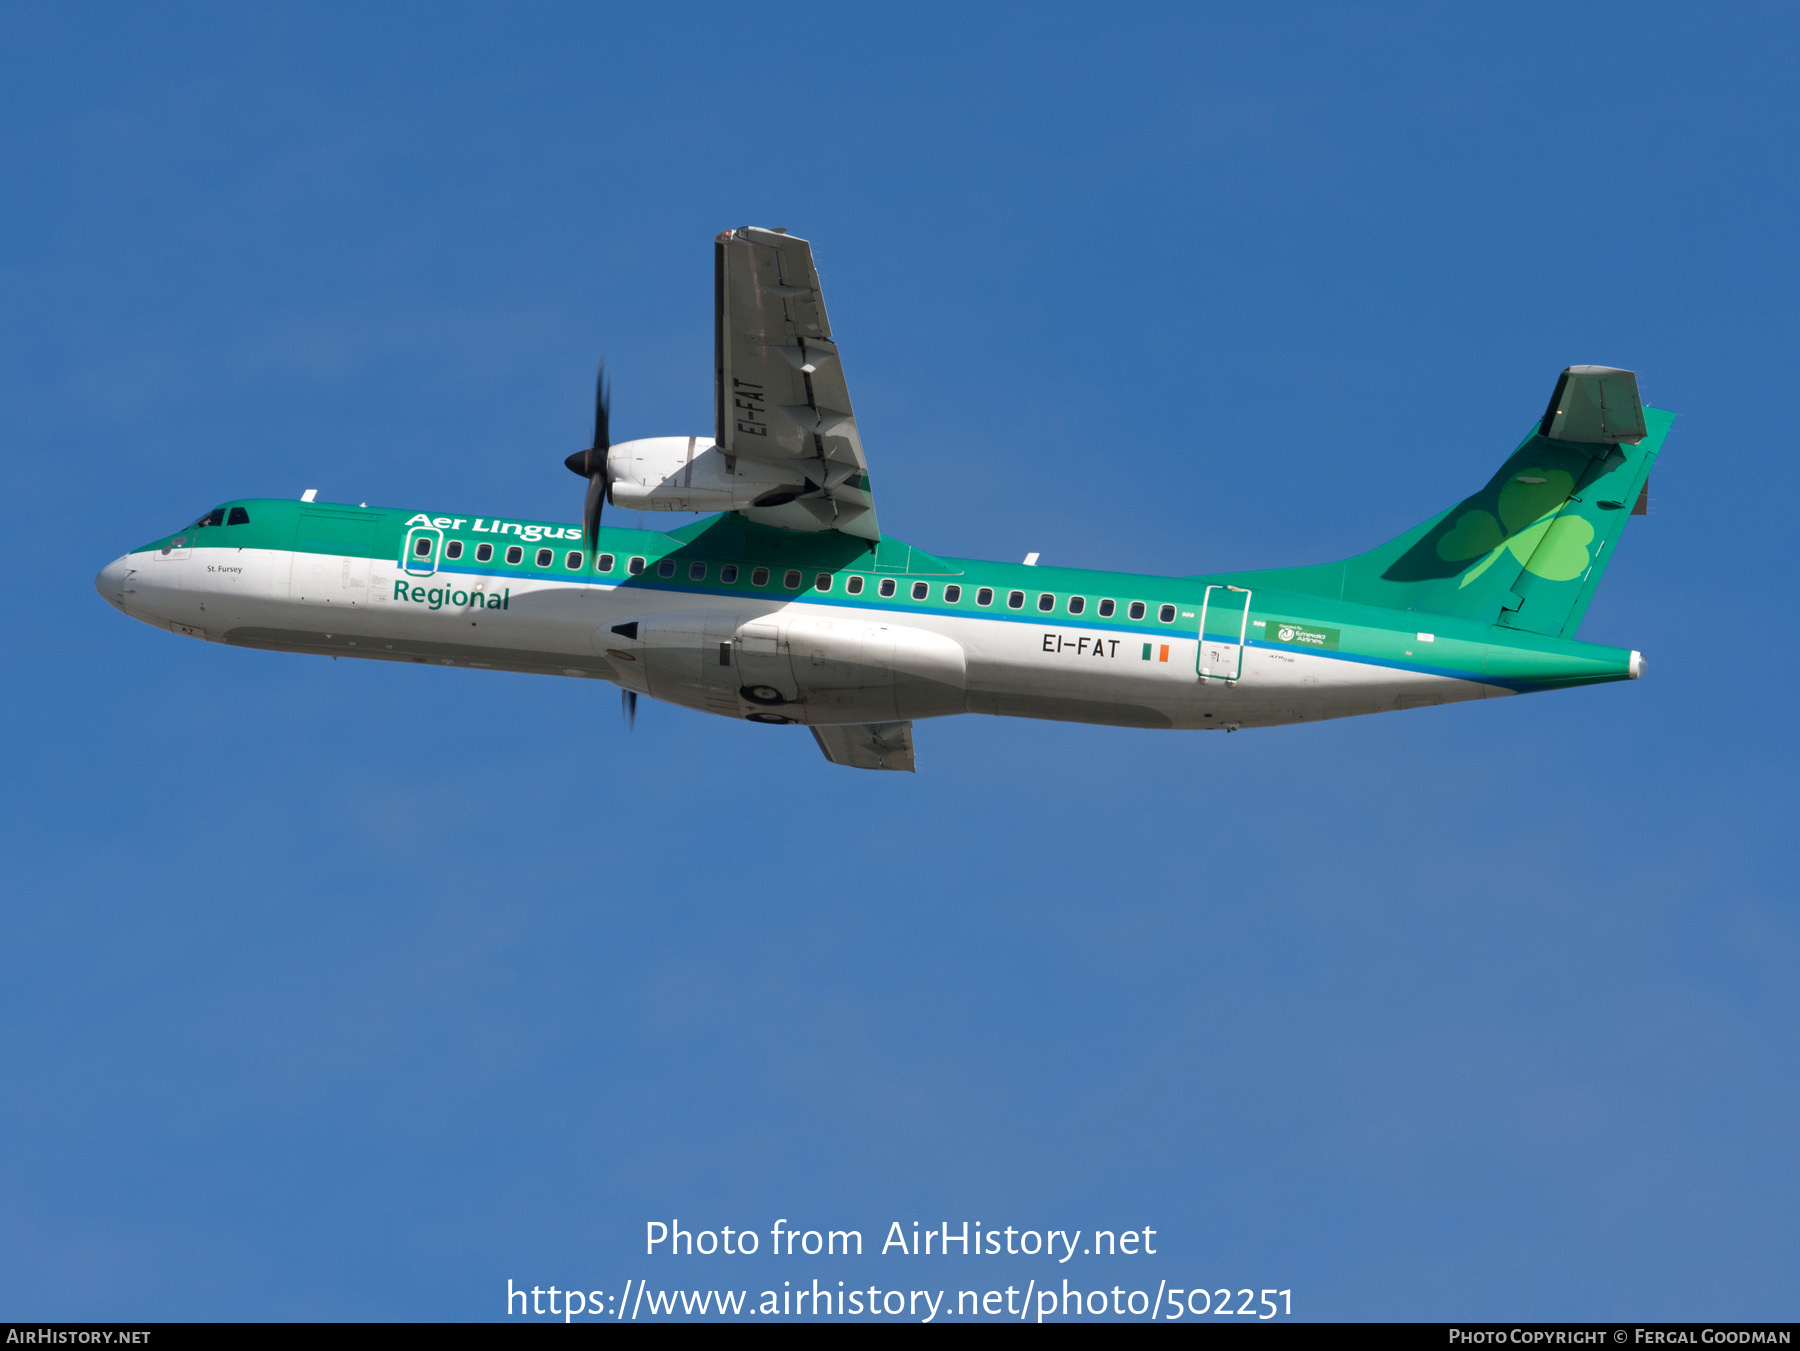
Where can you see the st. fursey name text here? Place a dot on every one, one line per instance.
(959, 1238)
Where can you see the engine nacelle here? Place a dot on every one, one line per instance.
(691, 473)
(774, 667)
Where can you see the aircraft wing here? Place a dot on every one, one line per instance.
(868, 745)
(780, 393)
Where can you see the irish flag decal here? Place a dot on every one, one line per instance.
(1156, 651)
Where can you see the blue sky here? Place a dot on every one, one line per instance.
(346, 991)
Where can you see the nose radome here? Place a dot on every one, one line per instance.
(111, 582)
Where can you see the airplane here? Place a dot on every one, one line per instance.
(788, 605)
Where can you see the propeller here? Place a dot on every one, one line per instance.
(591, 464)
(628, 706)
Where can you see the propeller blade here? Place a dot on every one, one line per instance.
(602, 412)
(591, 463)
(590, 514)
(628, 707)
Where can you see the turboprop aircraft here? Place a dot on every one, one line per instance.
(789, 605)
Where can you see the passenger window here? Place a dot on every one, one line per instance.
(635, 566)
(791, 579)
(1046, 602)
(573, 561)
(985, 596)
(545, 557)
(514, 553)
(952, 594)
(728, 573)
(887, 586)
(823, 581)
(666, 568)
(1015, 600)
(422, 546)
(1137, 609)
(453, 550)
(1077, 604)
(854, 586)
(1166, 614)
(483, 552)
(1106, 609)
(696, 572)
(760, 577)
(604, 563)
(239, 517)
(920, 590)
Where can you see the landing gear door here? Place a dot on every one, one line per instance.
(1224, 625)
(765, 669)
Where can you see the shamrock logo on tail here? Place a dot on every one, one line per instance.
(1551, 547)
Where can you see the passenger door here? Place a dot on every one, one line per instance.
(1224, 626)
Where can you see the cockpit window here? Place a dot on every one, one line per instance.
(214, 517)
(239, 517)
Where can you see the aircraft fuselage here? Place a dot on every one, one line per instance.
(778, 626)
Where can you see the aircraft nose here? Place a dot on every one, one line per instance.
(111, 583)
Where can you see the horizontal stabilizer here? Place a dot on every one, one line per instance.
(1594, 405)
(868, 745)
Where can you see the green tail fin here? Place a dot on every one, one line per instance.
(1528, 550)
